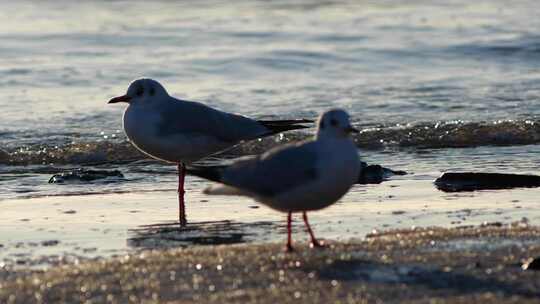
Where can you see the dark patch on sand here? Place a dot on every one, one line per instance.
(170, 234)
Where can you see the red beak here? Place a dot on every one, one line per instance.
(123, 98)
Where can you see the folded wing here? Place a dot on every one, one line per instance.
(187, 117)
(273, 173)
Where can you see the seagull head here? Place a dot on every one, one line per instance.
(142, 91)
(334, 123)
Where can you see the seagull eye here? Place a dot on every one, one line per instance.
(140, 91)
(152, 92)
(333, 122)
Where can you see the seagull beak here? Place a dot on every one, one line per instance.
(351, 129)
(123, 98)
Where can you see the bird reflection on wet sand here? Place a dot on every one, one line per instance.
(169, 234)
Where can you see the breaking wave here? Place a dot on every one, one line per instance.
(450, 134)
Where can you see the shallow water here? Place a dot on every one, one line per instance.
(434, 87)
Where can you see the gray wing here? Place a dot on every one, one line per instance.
(275, 172)
(185, 117)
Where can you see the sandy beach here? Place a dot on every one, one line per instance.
(421, 265)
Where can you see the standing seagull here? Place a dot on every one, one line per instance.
(301, 177)
(181, 131)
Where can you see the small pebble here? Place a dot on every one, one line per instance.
(50, 243)
(531, 264)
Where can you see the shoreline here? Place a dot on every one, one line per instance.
(455, 265)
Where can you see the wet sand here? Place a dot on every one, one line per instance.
(457, 265)
(43, 231)
(126, 247)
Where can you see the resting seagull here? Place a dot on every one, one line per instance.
(300, 177)
(181, 131)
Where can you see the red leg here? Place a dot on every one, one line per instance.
(314, 242)
(181, 192)
(289, 232)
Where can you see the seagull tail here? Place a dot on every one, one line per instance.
(212, 173)
(278, 126)
(222, 190)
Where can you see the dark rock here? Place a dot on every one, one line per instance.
(4, 157)
(83, 175)
(531, 264)
(376, 174)
(470, 181)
